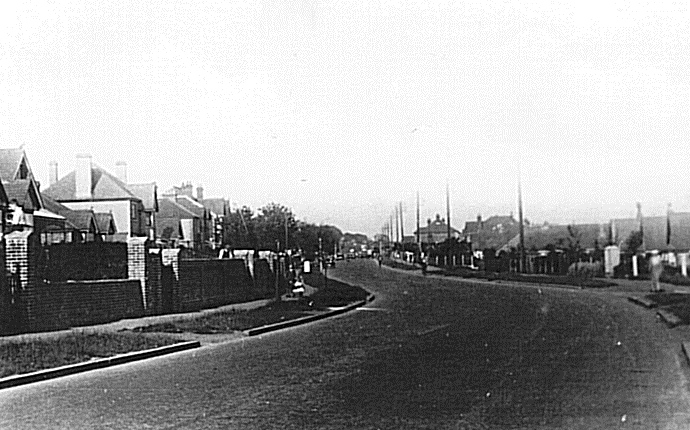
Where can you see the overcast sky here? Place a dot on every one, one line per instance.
(341, 109)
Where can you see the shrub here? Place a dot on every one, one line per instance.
(585, 270)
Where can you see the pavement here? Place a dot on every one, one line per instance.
(185, 344)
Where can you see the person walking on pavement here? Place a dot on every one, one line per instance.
(655, 270)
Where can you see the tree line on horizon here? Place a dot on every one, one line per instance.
(269, 227)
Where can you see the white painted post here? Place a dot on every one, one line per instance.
(684, 264)
(634, 266)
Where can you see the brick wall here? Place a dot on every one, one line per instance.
(75, 303)
(85, 261)
(207, 283)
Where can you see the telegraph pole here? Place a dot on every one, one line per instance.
(522, 228)
(402, 234)
(419, 243)
(448, 207)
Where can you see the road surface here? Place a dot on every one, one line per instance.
(428, 353)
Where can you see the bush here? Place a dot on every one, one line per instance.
(586, 270)
(674, 278)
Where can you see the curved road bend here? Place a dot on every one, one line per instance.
(428, 353)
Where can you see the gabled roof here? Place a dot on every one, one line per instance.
(171, 209)
(147, 193)
(471, 227)
(438, 226)
(191, 205)
(24, 192)
(105, 223)
(11, 162)
(104, 186)
(4, 199)
(588, 235)
(54, 206)
(655, 231)
(83, 220)
(499, 219)
(218, 206)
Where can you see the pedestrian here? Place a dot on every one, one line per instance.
(425, 263)
(655, 270)
(380, 259)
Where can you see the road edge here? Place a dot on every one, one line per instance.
(299, 321)
(643, 302)
(71, 369)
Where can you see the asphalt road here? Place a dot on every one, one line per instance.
(428, 353)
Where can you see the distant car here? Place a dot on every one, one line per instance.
(340, 257)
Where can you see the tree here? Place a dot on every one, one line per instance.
(634, 241)
(574, 247)
(272, 222)
(239, 229)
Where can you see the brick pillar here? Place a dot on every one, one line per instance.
(171, 257)
(153, 280)
(20, 259)
(136, 264)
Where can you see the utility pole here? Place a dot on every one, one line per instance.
(397, 232)
(402, 232)
(448, 207)
(523, 262)
(286, 232)
(419, 242)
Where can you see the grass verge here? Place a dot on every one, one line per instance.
(676, 303)
(29, 355)
(331, 293)
(398, 265)
(530, 279)
(231, 321)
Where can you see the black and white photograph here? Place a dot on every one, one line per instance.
(345, 214)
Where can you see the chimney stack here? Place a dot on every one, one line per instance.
(200, 193)
(121, 171)
(82, 189)
(52, 173)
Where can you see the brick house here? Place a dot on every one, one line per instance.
(148, 193)
(91, 187)
(494, 232)
(436, 231)
(177, 226)
(24, 207)
(218, 209)
(183, 196)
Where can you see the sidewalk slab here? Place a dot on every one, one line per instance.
(71, 369)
